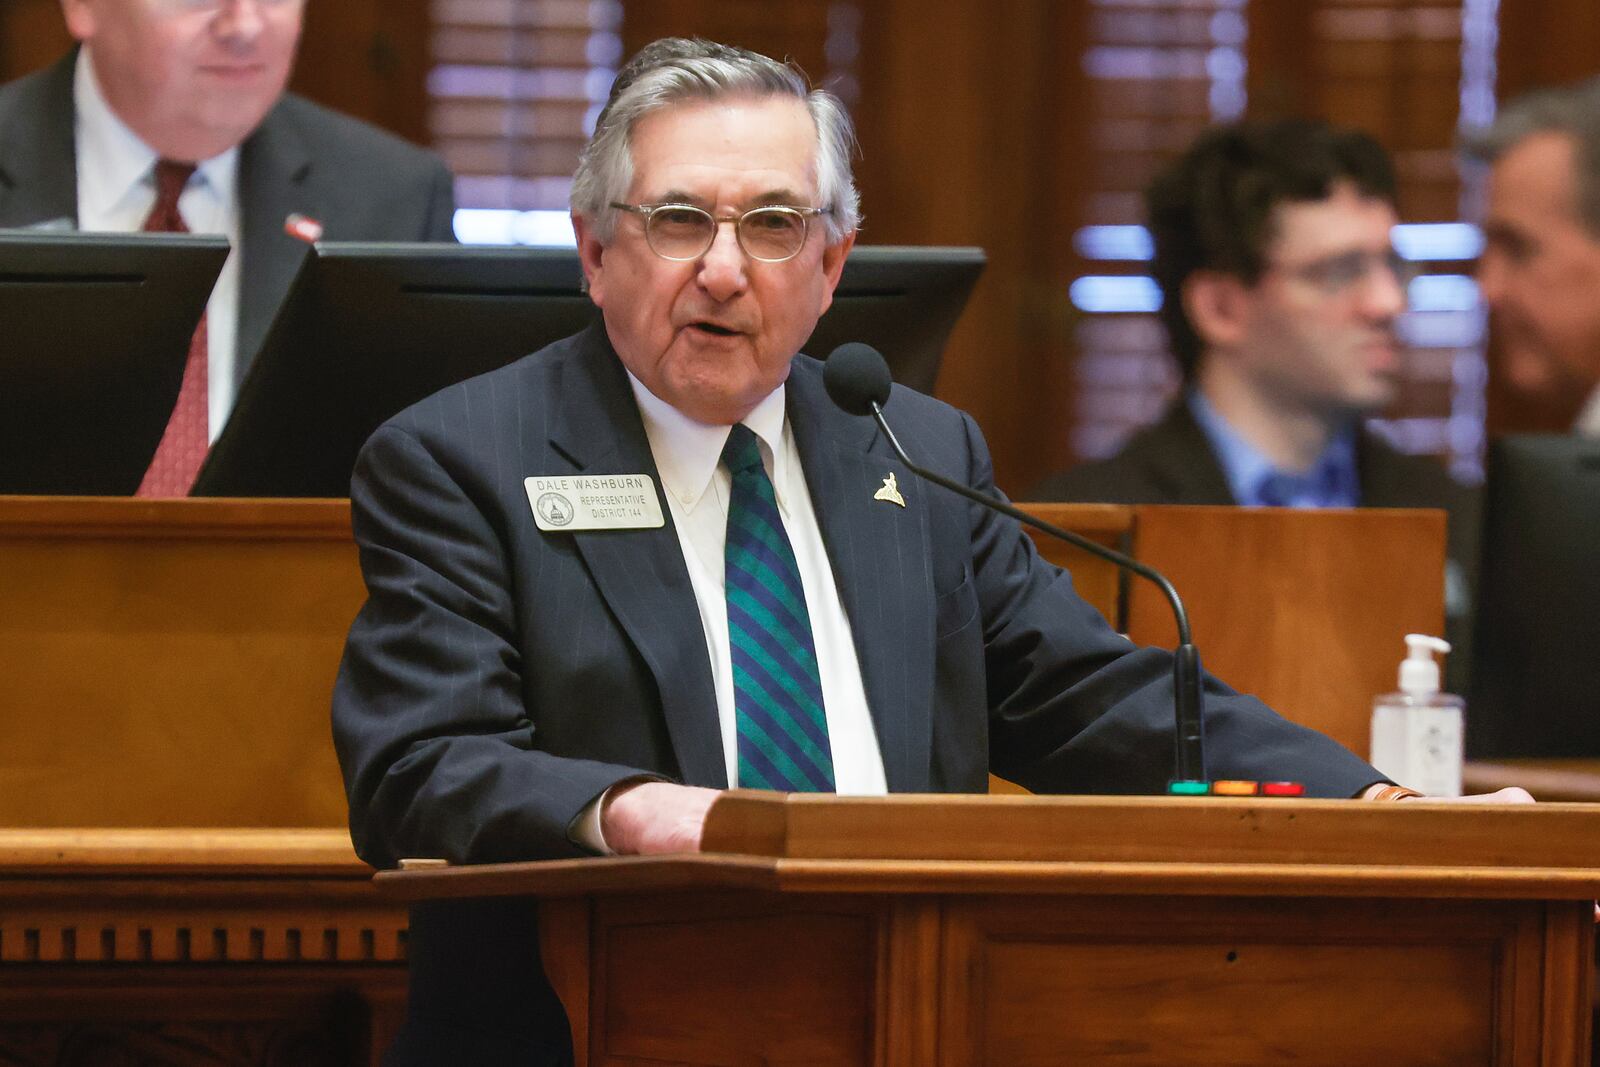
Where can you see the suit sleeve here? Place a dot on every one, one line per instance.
(437, 746)
(1076, 708)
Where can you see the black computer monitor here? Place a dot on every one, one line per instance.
(369, 329)
(1535, 688)
(94, 332)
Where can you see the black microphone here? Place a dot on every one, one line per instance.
(858, 381)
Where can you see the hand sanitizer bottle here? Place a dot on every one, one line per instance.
(1416, 733)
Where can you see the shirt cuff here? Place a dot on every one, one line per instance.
(1386, 791)
(585, 829)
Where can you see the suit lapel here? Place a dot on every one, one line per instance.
(275, 171)
(880, 554)
(1182, 462)
(641, 574)
(39, 182)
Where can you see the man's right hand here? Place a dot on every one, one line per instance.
(648, 818)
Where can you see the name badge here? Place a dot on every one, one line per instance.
(594, 502)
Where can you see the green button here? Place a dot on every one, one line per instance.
(1188, 789)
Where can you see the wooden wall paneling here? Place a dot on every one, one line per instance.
(968, 137)
(1235, 981)
(32, 35)
(370, 59)
(1305, 609)
(1098, 581)
(1278, 76)
(791, 29)
(910, 944)
(168, 663)
(659, 961)
(1545, 42)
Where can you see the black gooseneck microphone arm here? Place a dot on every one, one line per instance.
(1189, 743)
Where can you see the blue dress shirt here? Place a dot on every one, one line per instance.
(1331, 482)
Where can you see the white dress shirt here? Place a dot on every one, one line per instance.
(696, 486)
(116, 190)
(1588, 424)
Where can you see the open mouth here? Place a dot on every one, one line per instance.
(713, 329)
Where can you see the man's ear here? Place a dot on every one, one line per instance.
(591, 253)
(833, 257)
(1219, 307)
(79, 15)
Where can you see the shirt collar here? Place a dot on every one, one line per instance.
(687, 452)
(1332, 481)
(113, 162)
(1588, 424)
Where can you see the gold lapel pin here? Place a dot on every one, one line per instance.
(890, 491)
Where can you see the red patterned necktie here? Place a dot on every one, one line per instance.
(183, 445)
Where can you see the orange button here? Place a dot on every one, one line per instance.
(1233, 789)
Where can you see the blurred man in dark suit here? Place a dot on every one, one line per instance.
(1281, 292)
(1540, 270)
(172, 115)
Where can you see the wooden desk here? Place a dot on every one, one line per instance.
(194, 947)
(1547, 779)
(168, 665)
(913, 931)
(169, 662)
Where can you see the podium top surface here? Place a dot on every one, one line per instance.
(1085, 845)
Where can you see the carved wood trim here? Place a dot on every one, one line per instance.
(195, 896)
(220, 936)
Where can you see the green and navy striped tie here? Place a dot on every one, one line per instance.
(777, 690)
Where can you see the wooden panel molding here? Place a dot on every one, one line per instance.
(1019, 933)
(1224, 982)
(209, 896)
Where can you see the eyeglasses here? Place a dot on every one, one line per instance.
(682, 232)
(215, 6)
(1335, 275)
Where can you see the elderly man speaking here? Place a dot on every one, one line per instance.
(653, 561)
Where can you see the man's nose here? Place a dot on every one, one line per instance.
(240, 21)
(1384, 291)
(723, 267)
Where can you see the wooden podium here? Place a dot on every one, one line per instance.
(916, 930)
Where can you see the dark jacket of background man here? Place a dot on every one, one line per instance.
(1280, 296)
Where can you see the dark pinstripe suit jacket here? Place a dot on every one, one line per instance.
(499, 678)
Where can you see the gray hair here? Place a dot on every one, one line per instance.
(1573, 110)
(675, 69)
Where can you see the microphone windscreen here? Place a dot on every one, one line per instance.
(856, 377)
